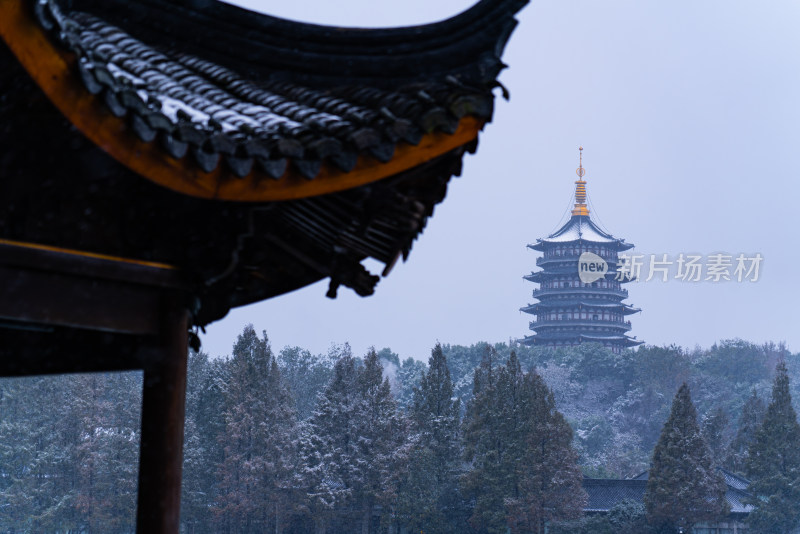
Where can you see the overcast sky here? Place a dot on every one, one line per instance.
(688, 115)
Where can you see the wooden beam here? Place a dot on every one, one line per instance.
(20, 251)
(49, 286)
(45, 298)
(54, 70)
(27, 350)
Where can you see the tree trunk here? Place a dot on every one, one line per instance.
(366, 520)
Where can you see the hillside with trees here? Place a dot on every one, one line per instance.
(618, 403)
(481, 439)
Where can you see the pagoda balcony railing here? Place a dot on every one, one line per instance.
(593, 323)
(611, 258)
(564, 270)
(604, 291)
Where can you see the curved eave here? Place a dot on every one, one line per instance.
(542, 244)
(55, 72)
(613, 328)
(625, 341)
(549, 305)
(319, 54)
(571, 233)
(568, 267)
(535, 277)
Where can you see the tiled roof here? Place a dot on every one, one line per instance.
(531, 308)
(255, 154)
(604, 494)
(737, 501)
(581, 227)
(191, 104)
(261, 47)
(734, 480)
(572, 336)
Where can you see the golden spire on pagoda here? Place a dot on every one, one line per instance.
(580, 189)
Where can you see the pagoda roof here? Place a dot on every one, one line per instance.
(563, 336)
(255, 155)
(627, 341)
(540, 276)
(580, 228)
(576, 302)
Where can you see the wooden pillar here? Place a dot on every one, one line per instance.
(161, 449)
(67, 311)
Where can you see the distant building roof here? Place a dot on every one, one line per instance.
(735, 481)
(604, 494)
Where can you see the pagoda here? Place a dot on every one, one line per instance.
(580, 297)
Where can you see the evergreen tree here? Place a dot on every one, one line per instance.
(65, 430)
(750, 421)
(428, 499)
(627, 517)
(348, 447)
(408, 378)
(259, 432)
(714, 430)
(773, 463)
(463, 363)
(106, 454)
(523, 472)
(735, 358)
(381, 434)
(490, 477)
(683, 487)
(38, 436)
(324, 449)
(68, 453)
(306, 376)
(550, 478)
(202, 449)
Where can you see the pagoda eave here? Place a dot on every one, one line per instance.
(551, 304)
(617, 245)
(539, 339)
(580, 325)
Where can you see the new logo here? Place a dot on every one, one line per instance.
(591, 267)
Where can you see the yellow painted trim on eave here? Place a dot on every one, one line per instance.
(84, 254)
(55, 72)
